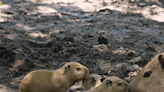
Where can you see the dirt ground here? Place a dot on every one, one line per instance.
(110, 37)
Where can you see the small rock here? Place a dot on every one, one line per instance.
(100, 47)
(134, 67)
(68, 38)
(132, 53)
(133, 74)
(136, 59)
(102, 39)
(150, 49)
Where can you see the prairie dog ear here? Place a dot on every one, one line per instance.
(102, 78)
(60, 65)
(108, 83)
(161, 60)
(94, 80)
(63, 63)
(66, 68)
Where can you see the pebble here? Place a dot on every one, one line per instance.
(102, 39)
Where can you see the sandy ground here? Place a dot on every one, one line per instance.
(110, 37)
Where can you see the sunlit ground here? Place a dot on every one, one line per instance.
(153, 12)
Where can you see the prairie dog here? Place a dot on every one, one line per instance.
(54, 81)
(111, 84)
(91, 81)
(151, 78)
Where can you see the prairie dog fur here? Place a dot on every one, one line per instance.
(111, 84)
(91, 81)
(54, 81)
(151, 78)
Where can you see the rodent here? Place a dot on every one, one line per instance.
(91, 81)
(111, 84)
(151, 78)
(54, 81)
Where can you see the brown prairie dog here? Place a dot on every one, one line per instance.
(111, 84)
(151, 78)
(54, 81)
(91, 81)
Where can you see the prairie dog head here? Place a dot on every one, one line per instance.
(151, 78)
(91, 81)
(114, 84)
(75, 70)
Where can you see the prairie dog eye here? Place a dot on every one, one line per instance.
(119, 84)
(147, 74)
(78, 69)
